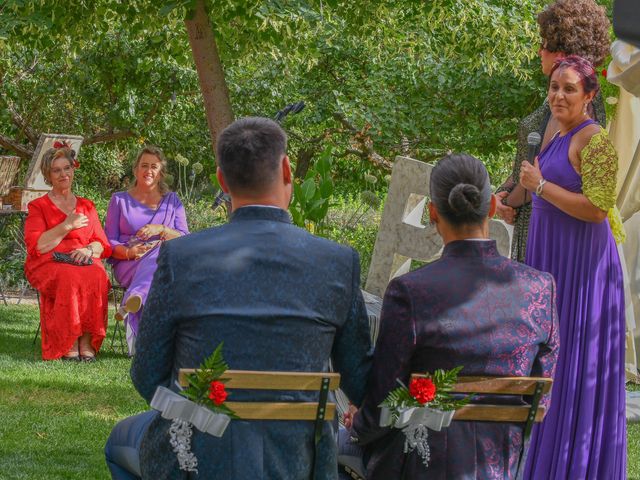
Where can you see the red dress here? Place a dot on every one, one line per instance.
(73, 299)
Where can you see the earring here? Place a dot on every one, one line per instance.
(584, 110)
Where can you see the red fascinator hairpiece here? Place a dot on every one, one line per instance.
(65, 144)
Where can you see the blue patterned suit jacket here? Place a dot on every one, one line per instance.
(280, 299)
(475, 308)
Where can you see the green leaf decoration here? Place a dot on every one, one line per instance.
(199, 382)
(444, 381)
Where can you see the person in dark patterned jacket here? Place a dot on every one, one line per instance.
(471, 308)
(278, 297)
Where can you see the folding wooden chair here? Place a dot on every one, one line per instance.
(117, 292)
(318, 412)
(531, 388)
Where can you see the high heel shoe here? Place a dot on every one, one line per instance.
(132, 305)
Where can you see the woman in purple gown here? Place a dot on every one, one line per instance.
(571, 235)
(138, 220)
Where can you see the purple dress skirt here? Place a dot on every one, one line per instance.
(584, 433)
(125, 216)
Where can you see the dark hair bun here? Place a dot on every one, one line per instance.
(465, 199)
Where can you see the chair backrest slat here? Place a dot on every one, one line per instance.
(499, 385)
(256, 380)
(497, 413)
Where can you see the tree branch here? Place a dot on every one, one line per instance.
(20, 150)
(366, 151)
(108, 137)
(25, 129)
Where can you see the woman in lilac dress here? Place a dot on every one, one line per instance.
(137, 221)
(571, 236)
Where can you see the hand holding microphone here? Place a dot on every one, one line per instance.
(530, 170)
(533, 146)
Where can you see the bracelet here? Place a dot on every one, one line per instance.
(128, 248)
(540, 187)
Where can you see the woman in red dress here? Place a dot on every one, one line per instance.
(73, 296)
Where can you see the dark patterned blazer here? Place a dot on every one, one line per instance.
(280, 299)
(474, 308)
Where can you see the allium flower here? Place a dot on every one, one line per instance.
(422, 389)
(197, 168)
(182, 160)
(370, 199)
(372, 179)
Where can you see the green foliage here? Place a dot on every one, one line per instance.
(379, 79)
(311, 198)
(13, 255)
(444, 381)
(209, 371)
(200, 214)
(354, 221)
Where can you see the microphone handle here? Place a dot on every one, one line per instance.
(532, 151)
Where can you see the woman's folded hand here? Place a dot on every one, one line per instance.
(136, 252)
(150, 230)
(81, 255)
(503, 211)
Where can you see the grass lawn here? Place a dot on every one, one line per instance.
(633, 446)
(56, 416)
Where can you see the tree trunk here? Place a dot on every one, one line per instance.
(210, 74)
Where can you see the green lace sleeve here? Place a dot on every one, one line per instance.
(599, 170)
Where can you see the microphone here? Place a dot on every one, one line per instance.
(533, 146)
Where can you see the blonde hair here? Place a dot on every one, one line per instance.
(156, 152)
(52, 155)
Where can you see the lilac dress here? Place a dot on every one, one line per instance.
(125, 217)
(584, 433)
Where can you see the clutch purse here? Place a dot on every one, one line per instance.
(66, 258)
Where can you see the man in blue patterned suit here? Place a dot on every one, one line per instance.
(278, 297)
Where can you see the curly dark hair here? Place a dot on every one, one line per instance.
(576, 27)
